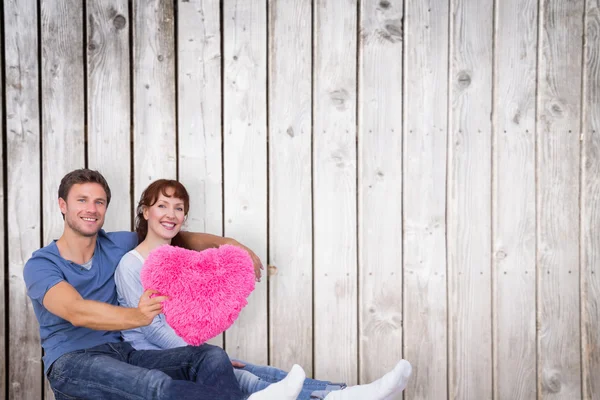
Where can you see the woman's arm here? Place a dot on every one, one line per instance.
(202, 241)
(129, 284)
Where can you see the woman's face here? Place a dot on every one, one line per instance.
(166, 216)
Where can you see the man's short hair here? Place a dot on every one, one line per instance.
(82, 175)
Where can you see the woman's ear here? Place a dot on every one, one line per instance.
(145, 212)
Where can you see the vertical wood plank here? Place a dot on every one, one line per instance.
(558, 157)
(469, 200)
(245, 158)
(380, 187)
(290, 208)
(199, 117)
(425, 136)
(514, 200)
(108, 103)
(155, 153)
(4, 334)
(590, 205)
(63, 120)
(63, 127)
(23, 181)
(334, 185)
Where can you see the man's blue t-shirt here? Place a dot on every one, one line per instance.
(46, 268)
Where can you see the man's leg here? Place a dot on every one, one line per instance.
(205, 364)
(103, 372)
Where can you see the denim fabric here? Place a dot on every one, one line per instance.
(253, 378)
(117, 371)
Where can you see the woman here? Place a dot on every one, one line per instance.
(161, 212)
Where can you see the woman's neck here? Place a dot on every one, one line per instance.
(150, 243)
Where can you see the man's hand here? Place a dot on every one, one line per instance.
(237, 364)
(149, 307)
(257, 263)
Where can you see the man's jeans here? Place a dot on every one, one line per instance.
(253, 378)
(117, 371)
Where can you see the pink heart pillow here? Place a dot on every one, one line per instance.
(207, 289)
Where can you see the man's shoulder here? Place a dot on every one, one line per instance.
(46, 258)
(124, 239)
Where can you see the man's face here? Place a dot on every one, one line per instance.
(84, 208)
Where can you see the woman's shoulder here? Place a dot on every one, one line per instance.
(131, 261)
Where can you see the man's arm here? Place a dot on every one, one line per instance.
(64, 301)
(202, 241)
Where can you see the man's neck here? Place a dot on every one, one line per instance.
(75, 247)
(149, 244)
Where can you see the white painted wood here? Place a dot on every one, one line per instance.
(590, 206)
(380, 188)
(23, 192)
(558, 163)
(199, 117)
(4, 334)
(334, 196)
(469, 200)
(513, 200)
(63, 127)
(63, 121)
(425, 134)
(290, 203)
(245, 158)
(155, 154)
(108, 103)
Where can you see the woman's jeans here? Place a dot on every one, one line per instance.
(253, 378)
(117, 371)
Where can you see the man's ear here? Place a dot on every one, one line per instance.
(62, 204)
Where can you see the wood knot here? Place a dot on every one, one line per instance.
(119, 22)
(160, 57)
(272, 270)
(384, 4)
(556, 110)
(551, 382)
(339, 97)
(464, 79)
(92, 46)
(290, 131)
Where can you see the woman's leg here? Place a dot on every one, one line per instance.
(253, 378)
(382, 389)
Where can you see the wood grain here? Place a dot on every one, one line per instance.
(4, 334)
(334, 190)
(469, 200)
(513, 202)
(155, 154)
(108, 104)
(23, 193)
(380, 188)
(558, 163)
(590, 206)
(290, 191)
(424, 197)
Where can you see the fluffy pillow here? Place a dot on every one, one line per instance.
(207, 289)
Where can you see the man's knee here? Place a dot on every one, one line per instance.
(212, 357)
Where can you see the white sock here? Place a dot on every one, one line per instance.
(286, 389)
(391, 383)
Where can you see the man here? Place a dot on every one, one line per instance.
(70, 283)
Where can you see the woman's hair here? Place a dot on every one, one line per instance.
(150, 197)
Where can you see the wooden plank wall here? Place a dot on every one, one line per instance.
(420, 178)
